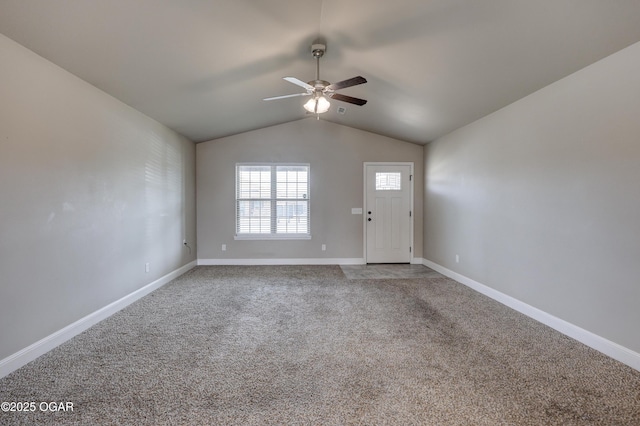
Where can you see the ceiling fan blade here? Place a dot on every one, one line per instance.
(287, 96)
(345, 98)
(347, 83)
(299, 83)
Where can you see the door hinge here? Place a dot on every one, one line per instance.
(409, 249)
(410, 177)
(409, 213)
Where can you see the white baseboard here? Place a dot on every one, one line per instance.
(42, 346)
(607, 347)
(295, 261)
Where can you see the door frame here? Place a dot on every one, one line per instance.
(364, 207)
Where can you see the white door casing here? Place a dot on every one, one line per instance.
(388, 218)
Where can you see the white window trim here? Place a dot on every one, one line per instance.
(276, 236)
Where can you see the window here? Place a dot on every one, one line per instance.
(272, 201)
(388, 181)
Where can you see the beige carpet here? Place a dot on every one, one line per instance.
(305, 345)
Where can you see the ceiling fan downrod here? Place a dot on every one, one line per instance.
(317, 50)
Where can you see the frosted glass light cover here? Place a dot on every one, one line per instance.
(323, 105)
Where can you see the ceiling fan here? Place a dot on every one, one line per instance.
(320, 90)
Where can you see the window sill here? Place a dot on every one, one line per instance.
(272, 237)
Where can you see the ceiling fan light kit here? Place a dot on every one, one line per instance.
(317, 105)
(320, 90)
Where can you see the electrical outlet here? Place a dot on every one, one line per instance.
(147, 267)
(457, 258)
(224, 247)
(324, 247)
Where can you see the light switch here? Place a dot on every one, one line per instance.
(356, 210)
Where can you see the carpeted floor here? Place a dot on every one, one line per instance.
(305, 345)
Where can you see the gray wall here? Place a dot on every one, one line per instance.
(336, 154)
(541, 199)
(91, 191)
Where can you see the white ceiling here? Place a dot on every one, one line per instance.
(202, 67)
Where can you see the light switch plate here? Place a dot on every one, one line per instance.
(356, 210)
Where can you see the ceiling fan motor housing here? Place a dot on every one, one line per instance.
(319, 85)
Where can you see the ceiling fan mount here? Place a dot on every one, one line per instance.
(317, 50)
(320, 90)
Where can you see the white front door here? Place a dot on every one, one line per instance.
(388, 215)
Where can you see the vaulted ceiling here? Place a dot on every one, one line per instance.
(203, 67)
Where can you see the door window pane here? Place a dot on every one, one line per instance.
(388, 181)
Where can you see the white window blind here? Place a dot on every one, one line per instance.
(272, 201)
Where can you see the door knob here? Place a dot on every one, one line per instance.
(369, 219)
(368, 212)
